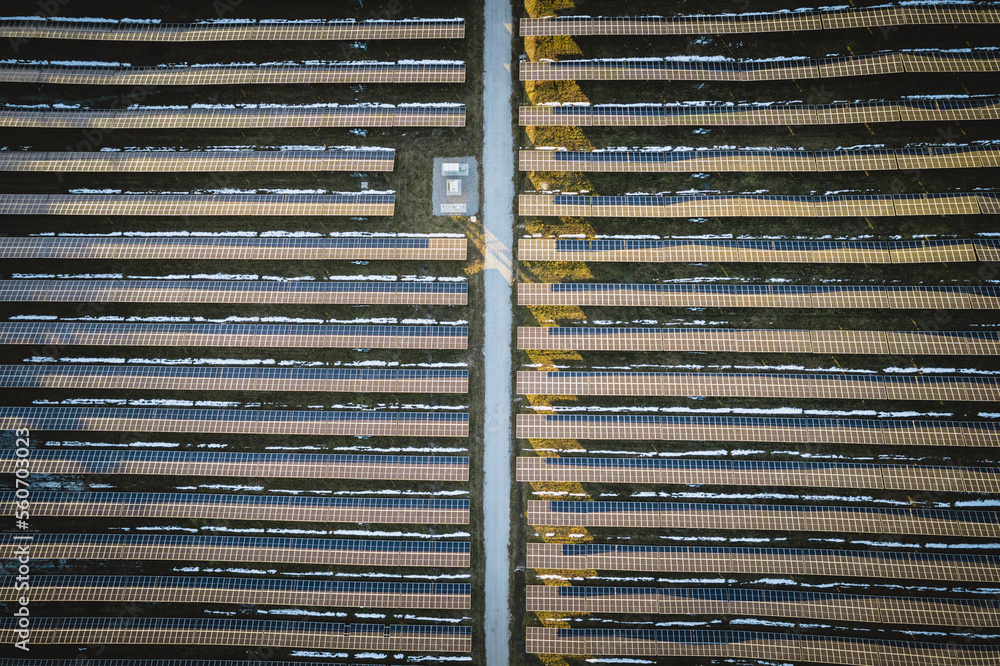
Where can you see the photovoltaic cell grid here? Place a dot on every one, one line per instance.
(758, 251)
(220, 75)
(233, 291)
(775, 341)
(666, 69)
(805, 562)
(213, 631)
(223, 247)
(904, 110)
(159, 662)
(246, 421)
(197, 204)
(756, 205)
(366, 380)
(346, 552)
(760, 22)
(409, 115)
(145, 161)
(869, 432)
(759, 473)
(762, 602)
(250, 465)
(748, 385)
(756, 296)
(692, 161)
(245, 507)
(795, 648)
(756, 517)
(218, 590)
(53, 28)
(316, 336)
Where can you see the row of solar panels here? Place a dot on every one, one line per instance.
(744, 645)
(776, 113)
(827, 18)
(118, 541)
(187, 75)
(661, 161)
(359, 115)
(770, 251)
(225, 247)
(123, 499)
(759, 205)
(233, 457)
(303, 585)
(795, 68)
(20, 375)
(380, 159)
(245, 30)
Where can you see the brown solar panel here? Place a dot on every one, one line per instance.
(197, 161)
(189, 204)
(232, 31)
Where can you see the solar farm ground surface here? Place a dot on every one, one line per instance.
(219, 498)
(640, 138)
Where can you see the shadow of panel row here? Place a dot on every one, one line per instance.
(758, 473)
(227, 247)
(758, 251)
(774, 341)
(779, 113)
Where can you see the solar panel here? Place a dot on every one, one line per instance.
(248, 421)
(744, 429)
(196, 204)
(226, 247)
(202, 378)
(752, 296)
(234, 291)
(380, 159)
(406, 115)
(242, 632)
(272, 591)
(348, 552)
(806, 562)
(749, 645)
(409, 71)
(250, 465)
(764, 602)
(244, 30)
(757, 473)
(233, 335)
(751, 517)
